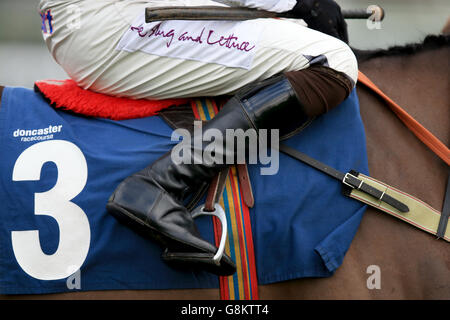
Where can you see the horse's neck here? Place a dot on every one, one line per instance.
(417, 82)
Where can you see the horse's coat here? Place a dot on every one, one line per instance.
(301, 224)
(413, 264)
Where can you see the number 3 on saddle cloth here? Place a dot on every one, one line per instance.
(58, 169)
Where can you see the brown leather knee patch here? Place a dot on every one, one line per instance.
(319, 88)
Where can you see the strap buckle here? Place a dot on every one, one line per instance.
(346, 176)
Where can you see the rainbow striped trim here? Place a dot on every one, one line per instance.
(243, 285)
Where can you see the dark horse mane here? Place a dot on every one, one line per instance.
(431, 42)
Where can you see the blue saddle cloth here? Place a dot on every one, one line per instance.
(302, 225)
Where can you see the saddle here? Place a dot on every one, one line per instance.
(178, 113)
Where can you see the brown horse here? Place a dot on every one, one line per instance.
(412, 264)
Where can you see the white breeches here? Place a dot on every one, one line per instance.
(106, 46)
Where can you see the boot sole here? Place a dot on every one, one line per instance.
(226, 267)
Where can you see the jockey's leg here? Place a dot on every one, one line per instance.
(313, 73)
(152, 199)
(86, 49)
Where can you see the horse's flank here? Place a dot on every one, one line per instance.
(412, 264)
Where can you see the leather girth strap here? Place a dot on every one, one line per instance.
(382, 196)
(230, 189)
(239, 244)
(349, 180)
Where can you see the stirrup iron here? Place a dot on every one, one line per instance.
(216, 261)
(220, 214)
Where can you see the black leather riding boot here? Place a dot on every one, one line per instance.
(152, 199)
